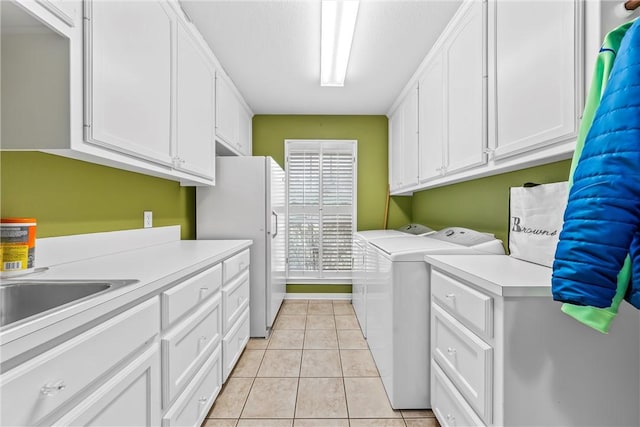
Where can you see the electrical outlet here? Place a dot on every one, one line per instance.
(148, 219)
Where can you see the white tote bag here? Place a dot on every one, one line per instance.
(535, 220)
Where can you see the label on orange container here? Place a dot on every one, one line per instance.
(18, 244)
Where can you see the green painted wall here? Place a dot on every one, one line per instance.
(371, 132)
(481, 204)
(69, 196)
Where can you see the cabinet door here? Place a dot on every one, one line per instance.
(227, 116)
(245, 132)
(410, 140)
(195, 141)
(534, 75)
(128, 77)
(465, 101)
(130, 398)
(403, 143)
(431, 121)
(395, 149)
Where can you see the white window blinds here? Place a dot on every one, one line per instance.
(321, 190)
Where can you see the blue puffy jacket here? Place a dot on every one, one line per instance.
(602, 219)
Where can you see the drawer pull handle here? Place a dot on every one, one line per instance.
(451, 351)
(450, 418)
(51, 389)
(202, 400)
(450, 296)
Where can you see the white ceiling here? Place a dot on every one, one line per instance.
(271, 51)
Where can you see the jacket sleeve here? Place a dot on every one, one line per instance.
(603, 210)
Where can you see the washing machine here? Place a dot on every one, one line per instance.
(398, 307)
(361, 264)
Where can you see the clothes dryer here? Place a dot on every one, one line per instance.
(398, 308)
(361, 263)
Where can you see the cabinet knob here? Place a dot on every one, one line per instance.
(450, 418)
(450, 296)
(202, 400)
(51, 389)
(451, 351)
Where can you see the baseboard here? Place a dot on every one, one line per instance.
(318, 296)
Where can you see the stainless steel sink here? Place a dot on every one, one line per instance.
(22, 299)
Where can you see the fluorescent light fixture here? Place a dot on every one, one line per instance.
(338, 25)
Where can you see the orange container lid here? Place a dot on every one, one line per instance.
(17, 220)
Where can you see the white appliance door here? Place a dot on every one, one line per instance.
(276, 238)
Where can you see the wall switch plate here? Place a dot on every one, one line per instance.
(148, 219)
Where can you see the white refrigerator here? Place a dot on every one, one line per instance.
(248, 202)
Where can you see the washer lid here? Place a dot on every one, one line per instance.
(376, 234)
(414, 248)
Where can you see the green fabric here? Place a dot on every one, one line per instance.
(599, 318)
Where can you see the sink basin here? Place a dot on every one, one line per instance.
(22, 300)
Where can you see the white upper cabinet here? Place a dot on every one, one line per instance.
(500, 90)
(195, 86)
(128, 78)
(453, 97)
(403, 142)
(246, 132)
(233, 121)
(535, 74)
(83, 80)
(465, 100)
(432, 118)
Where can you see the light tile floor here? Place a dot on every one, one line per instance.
(315, 370)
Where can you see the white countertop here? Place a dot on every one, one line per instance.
(498, 274)
(155, 267)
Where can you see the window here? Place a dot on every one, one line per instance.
(321, 194)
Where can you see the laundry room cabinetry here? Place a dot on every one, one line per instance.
(233, 119)
(168, 116)
(104, 93)
(535, 75)
(235, 310)
(195, 105)
(130, 115)
(452, 102)
(500, 90)
(91, 374)
(503, 353)
(439, 126)
(403, 143)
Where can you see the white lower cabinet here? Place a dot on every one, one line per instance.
(234, 343)
(193, 405)
(448, 404)
(187, 345)
(38, 389)
(503, 353)
(130, 398)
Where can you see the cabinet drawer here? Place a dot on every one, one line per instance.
(233, 344)
(474, 309)
(186, 347)
(193, 405)
(235, 264)
(37, 387)
(131, 397)
(465, 358)
(183, 297)
(448, 405)
(235, 298)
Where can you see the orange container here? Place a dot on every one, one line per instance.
(18, 244)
